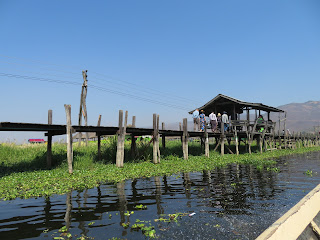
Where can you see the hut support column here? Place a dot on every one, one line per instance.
(69, 138)
(49, 144)
(185, 139)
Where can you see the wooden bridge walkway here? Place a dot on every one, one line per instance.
(239, 129)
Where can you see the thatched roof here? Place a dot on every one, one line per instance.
(225, 103)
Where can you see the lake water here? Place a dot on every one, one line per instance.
(236, 202)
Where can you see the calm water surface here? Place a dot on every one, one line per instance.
(236, 202)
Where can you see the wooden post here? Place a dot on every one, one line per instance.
(206, 143)
(49, 144)
(222, 138)
(279, 131)
(180, 129)
(133, 139)
(185, 139)
(236, 139)
(69, 137)
(158, 137)
(285, 130)
(120, 146)
(155, 139)
(124, 136)
(99, 138)
(163, 137)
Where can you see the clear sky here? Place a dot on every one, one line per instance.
(164, 57)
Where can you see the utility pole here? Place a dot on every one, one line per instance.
(83, 105)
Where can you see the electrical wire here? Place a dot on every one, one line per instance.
(95, 87)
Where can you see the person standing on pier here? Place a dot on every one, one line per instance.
(202, 121)
(195, 116)
(219, 121)
(225, 120)
(213, 121)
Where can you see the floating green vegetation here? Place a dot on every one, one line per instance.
(23, 171)
(308, 173)
(140, 207)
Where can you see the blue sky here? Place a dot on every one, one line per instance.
(180, 53)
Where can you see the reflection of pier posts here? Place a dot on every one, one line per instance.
(122, 200)
(187, 183)
(67, 216)
(47, 211)
(158, 195)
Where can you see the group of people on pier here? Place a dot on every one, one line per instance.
(200, 121)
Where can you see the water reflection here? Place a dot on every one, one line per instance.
(233, 202)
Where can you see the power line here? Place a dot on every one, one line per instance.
(94, 87)
(119, 81)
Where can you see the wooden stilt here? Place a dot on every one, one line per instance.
(163, 137)
(206, 144)
(49, 144)
(120, 146)
(69, 138)
(133, 139)
(158, 137)
(222, 138)
(155, 139)
(185, 139)
(99, 139)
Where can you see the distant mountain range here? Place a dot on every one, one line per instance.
(301, 116)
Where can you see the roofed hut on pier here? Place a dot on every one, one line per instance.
(235, 107)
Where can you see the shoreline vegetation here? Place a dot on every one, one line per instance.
(23, 172)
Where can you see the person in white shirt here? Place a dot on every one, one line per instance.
(225, 120)
(213, 121)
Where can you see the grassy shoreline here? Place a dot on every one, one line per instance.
(23, 173)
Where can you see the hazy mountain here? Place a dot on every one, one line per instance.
(301, 116)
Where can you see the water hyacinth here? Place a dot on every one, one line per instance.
(23, 171)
